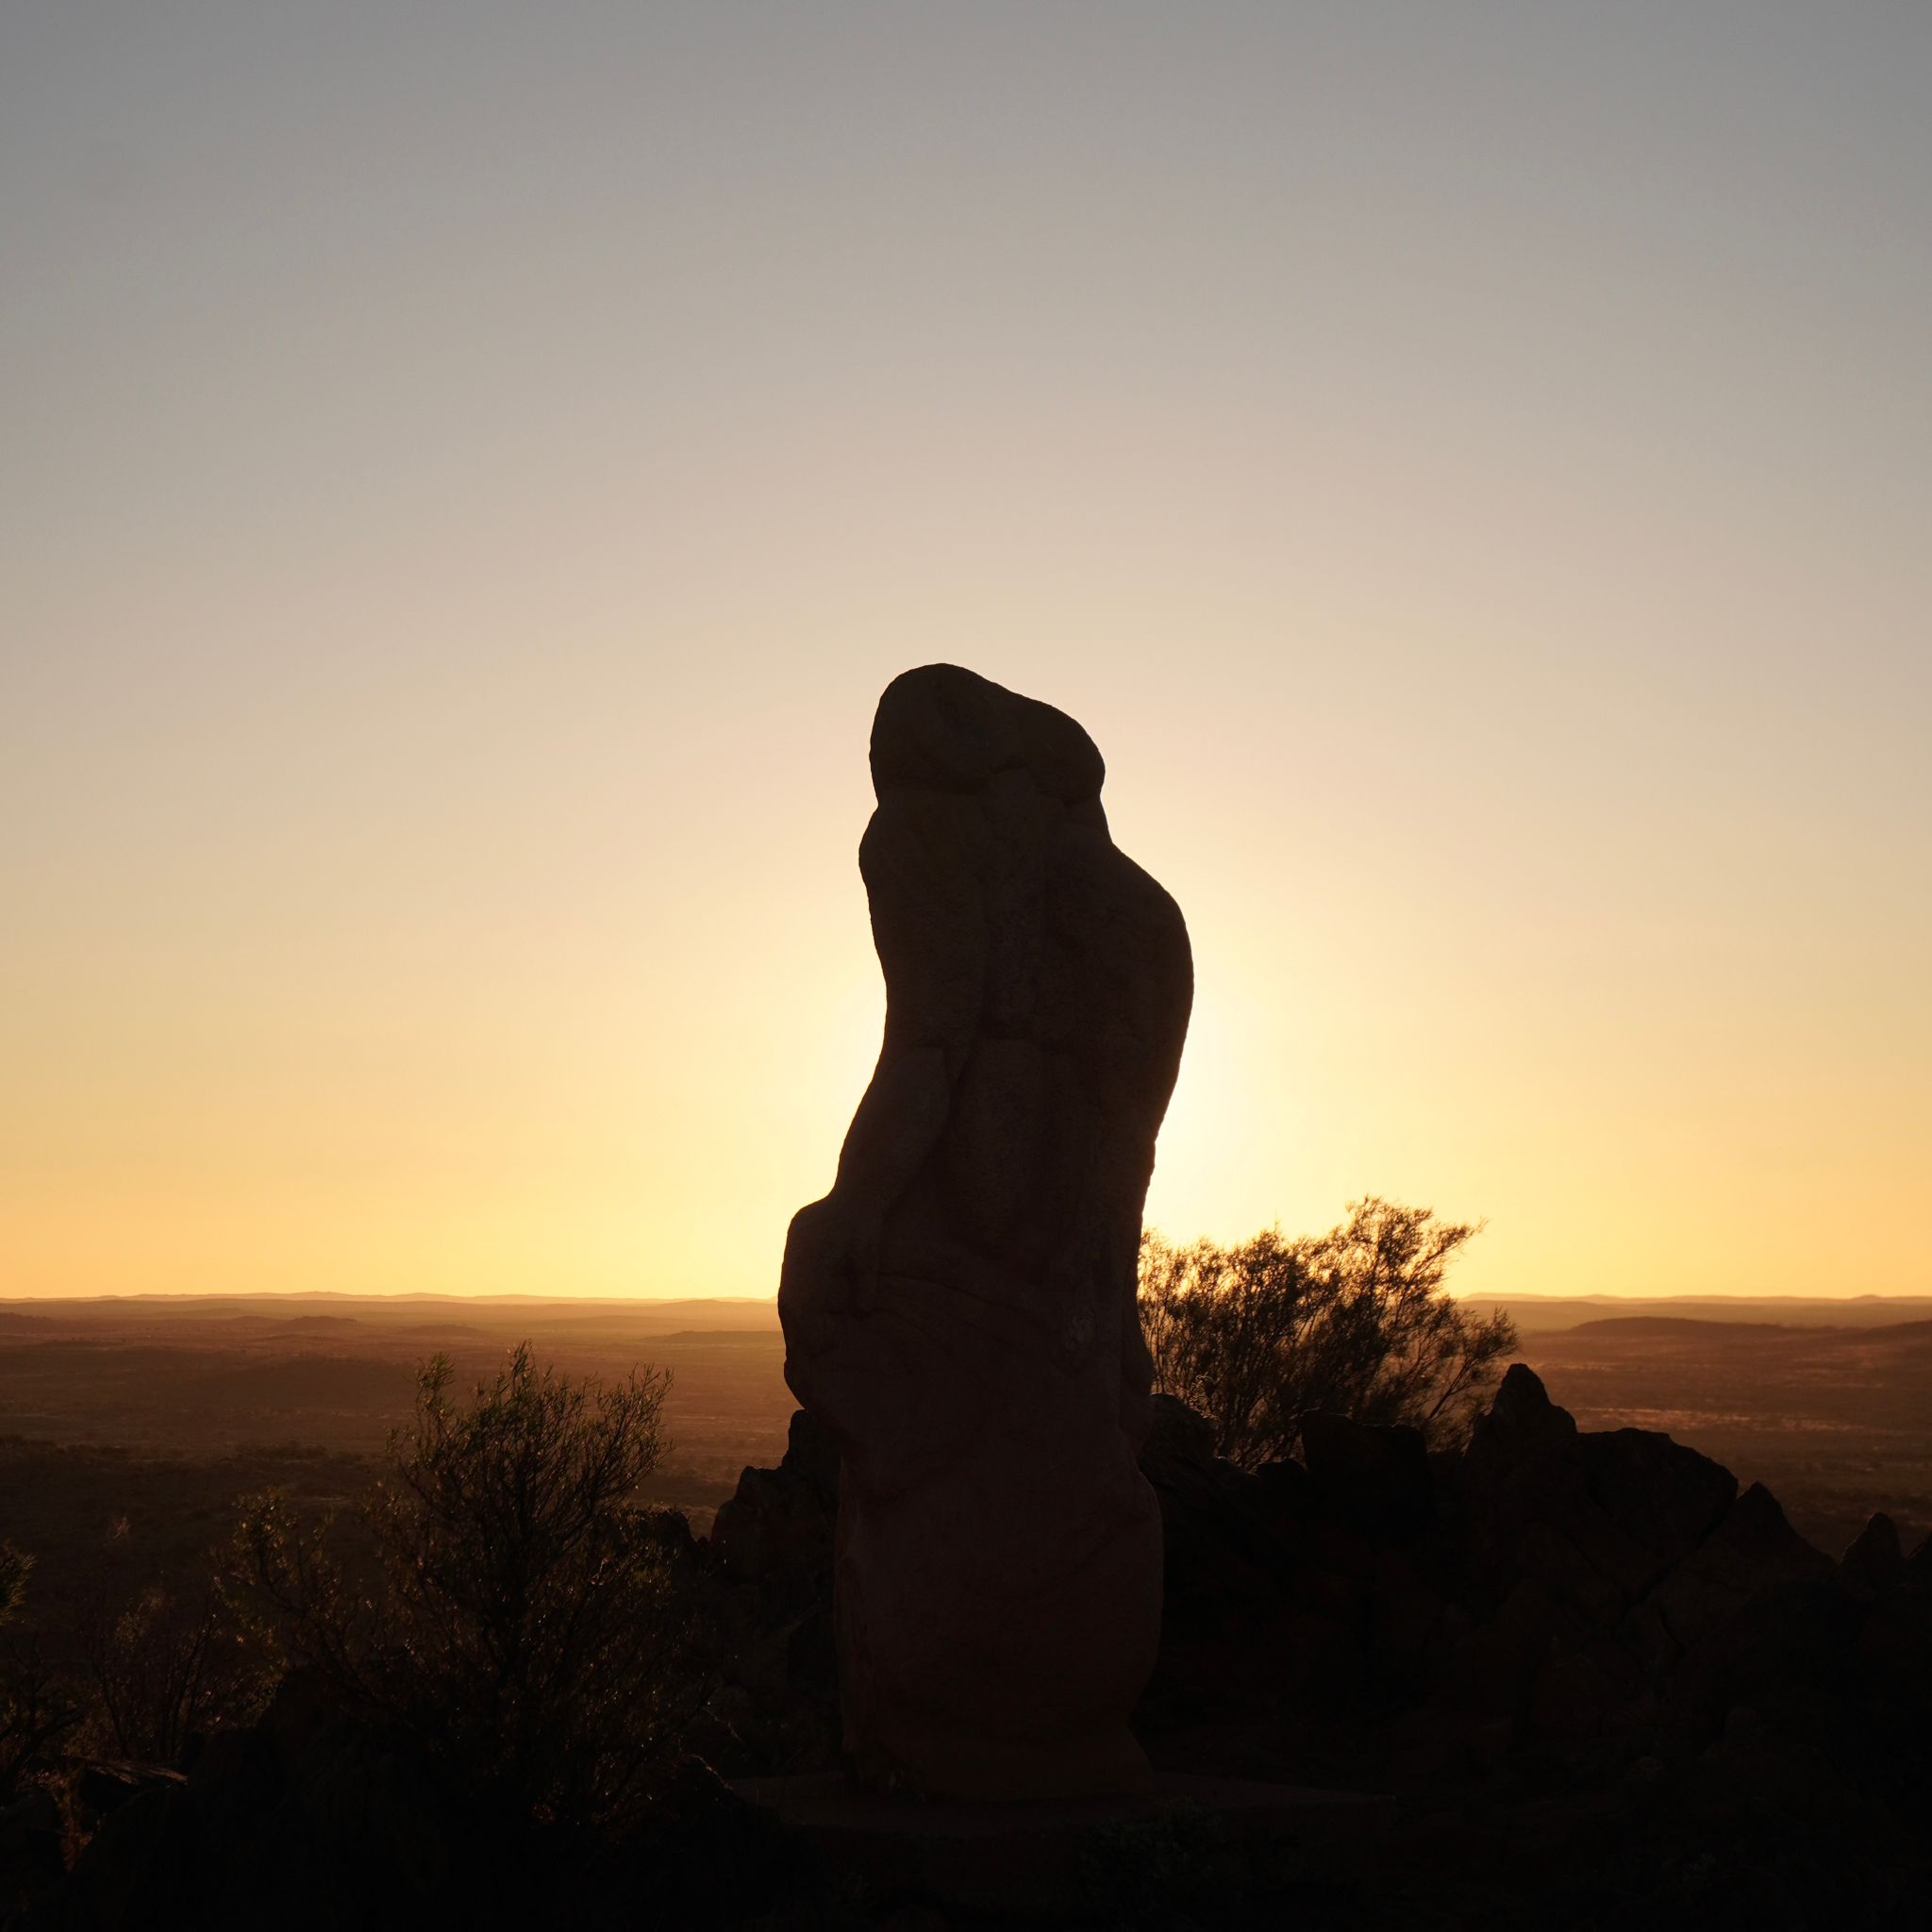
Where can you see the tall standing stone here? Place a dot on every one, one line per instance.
(959, 1310)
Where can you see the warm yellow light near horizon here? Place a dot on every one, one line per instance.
(554, 1120)
(457, 516)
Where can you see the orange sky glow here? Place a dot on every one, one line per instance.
(469, 475)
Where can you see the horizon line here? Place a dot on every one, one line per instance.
(521, 1295)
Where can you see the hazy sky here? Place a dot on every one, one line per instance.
(467, 470)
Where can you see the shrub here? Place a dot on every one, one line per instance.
(14, 1566)
(163, 1666)
(1353, 1322)
(516, 1616)
(35, 1711)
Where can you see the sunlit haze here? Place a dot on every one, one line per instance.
(468, 471)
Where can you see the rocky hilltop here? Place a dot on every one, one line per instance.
(1603, 1685)
(1596, 1684)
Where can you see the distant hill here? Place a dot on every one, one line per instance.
(1544, 1312)
(1828, 1402)
(1679, 1327)
(486, 1316)
(442, 1314)
(207, 1376)
(1833, 1416)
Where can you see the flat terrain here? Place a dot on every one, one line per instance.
(164, 1408)
(219, 1380)
(1835, 1420)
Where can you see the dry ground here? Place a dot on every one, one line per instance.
(138, 1421)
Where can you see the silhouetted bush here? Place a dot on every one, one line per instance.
(14, 1566)
(517, 1616)
(1354, 1321)
(168, 1664)
(35, 1713)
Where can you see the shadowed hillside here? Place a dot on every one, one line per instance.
(209, 1378)
(1829, 1403)
(1835, 1419)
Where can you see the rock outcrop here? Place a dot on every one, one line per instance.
(959, 1310)
(1605, 1686)
(318, 1817)
(1603, 1689)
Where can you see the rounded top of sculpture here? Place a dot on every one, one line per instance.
(951, 729)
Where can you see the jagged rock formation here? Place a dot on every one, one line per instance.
(1607, 1687)
(1397, 1615)
(318, 1817)
(959, 1310)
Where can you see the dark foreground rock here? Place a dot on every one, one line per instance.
(316, 1819)
(1591, 1684)
(1606, 1687)
(1192, 1848)
(1601, 1686)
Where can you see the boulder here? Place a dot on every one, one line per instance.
(1667, 1498)
(101, 1785)
(1521, 1425)
(1176, 1430)
(779, 1522)
(1376, 1481)
(1873, 1562)
(1752, 1547)
(1919, 1564)
(31, 1864)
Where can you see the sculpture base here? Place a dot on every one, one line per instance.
(1062, 1860)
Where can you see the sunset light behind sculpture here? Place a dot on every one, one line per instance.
(461, 506)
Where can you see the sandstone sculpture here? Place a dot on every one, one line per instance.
(959, 1310)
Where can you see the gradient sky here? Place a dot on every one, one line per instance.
(467, 470)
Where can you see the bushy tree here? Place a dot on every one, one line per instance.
(163, 1665)
(516, 1610)
(1354, 1323)
(14, 1566)
(35, 1711)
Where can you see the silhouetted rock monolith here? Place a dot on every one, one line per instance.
(959, 1310)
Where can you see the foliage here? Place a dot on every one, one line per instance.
(163, 1667)
(1353, 1321)
(517, 1617)
(35, 1712)
(14, 1566)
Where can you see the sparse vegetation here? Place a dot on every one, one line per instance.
(109, 1566)
(1354, 1321)
(168, 1664)
(14, 1566)
(517, 1616)
(35, 1711)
